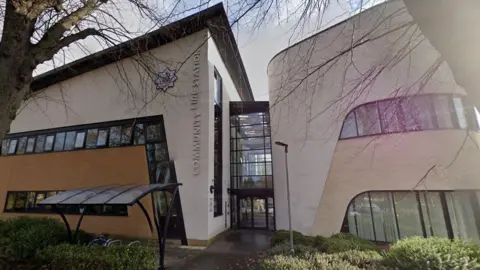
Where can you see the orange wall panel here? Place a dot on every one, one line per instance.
(77, 169)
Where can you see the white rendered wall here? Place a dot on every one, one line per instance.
(118, 91)
(310, 102)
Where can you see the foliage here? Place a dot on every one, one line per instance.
(433, 253)
(283, 236)
(300, 251)
(328, 262)
(282, 262)
(343, 242)
(76, 257)
(362, 259)
(22, 237)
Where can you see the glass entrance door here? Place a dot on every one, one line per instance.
(255, 213)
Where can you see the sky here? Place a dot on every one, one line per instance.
(257, 47)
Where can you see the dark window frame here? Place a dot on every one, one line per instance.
(218, 145)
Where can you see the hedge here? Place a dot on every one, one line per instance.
(433, 253)
(344, 242)
(282, 236)
(81, 257)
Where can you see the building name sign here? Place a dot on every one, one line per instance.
(196, 113)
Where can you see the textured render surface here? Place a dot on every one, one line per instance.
(309, 103)
(84, 168)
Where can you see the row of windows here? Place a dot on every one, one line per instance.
(389, 216)
(27, 202)
(421, 112)
(217, 146)
(113, 136)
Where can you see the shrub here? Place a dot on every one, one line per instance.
(78, 257)
(344, 242)
(301, 251)
(362, 259)
(328, 262)
(281, 262)
(21, 238)
(318, 242)
(433, 253)
(282, 236)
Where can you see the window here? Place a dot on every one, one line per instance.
(102, 137)
(22, 144)
(217, 145)
(39, 146)
(27, 202)
(49, 143)
(70, 140)
(389, 216)
(412, 113)
(12, 146)
(80, 139)
(139, 137)
(4, 147)
(59, 141)
(126, 134)
(92, 138)
(30, 145)
(115, 136)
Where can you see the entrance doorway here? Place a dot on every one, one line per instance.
(256, 213)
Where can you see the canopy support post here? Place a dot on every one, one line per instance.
(147, 216)
(67, 225)
(163, 237)
(82, 210)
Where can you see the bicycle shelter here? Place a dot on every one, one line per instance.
(114, 195)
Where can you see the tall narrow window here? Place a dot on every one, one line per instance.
(349, 129)
(30, 145)
(217, 151)
(70, 140)
(368, 120)
(22, 144)
(59, 141)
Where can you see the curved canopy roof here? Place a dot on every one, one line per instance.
(106, 195)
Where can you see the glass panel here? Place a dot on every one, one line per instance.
(161, 152)
(259, 213)
(384, 217)
(418, 114)
(59, 141)
(10, 201)
(368, 121)
(477, 117)
(39, 146)
(4, 147)
(80, 139)
(217, 96)
(154, 133)
(408, 216)
(249, 156)
(139, 134)
(40, 197)
(30, 200)
(443, 112)
(245, 213)
(351, 218)
(49, 143)
(462, 216)
(22, 143)
(250, 119)
(254, 181)
(115, 136)
(102, 137)
(20, 201)
(391, 115)
(70, 140)
(433, 217)
(126, 134)
(271, 214)
(12, 146)
(92, 135)
(349, 128)
(251, 143)
(30, 145)
(259, 168)
(250, 131)
(364, 217)
(460, 110)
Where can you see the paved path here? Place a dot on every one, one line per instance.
(236, 250)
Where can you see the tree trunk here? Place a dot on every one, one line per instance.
(452, 28)
(10, 101)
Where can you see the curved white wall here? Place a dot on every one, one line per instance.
(314, 83)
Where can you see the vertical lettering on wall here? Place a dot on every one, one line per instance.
(196, 114)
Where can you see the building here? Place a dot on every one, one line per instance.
(383, 143)
(119, 117)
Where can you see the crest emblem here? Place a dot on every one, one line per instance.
(166, 79)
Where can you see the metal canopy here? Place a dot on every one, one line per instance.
(114, 195)
(106, 195)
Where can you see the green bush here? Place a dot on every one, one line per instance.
(300, 251)
(318, 242)
(281, 262)
(21, 238)
(282, 236)
(433, 253)
(329, 262)
(362, 259)
(78, 257)
(344, 242)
